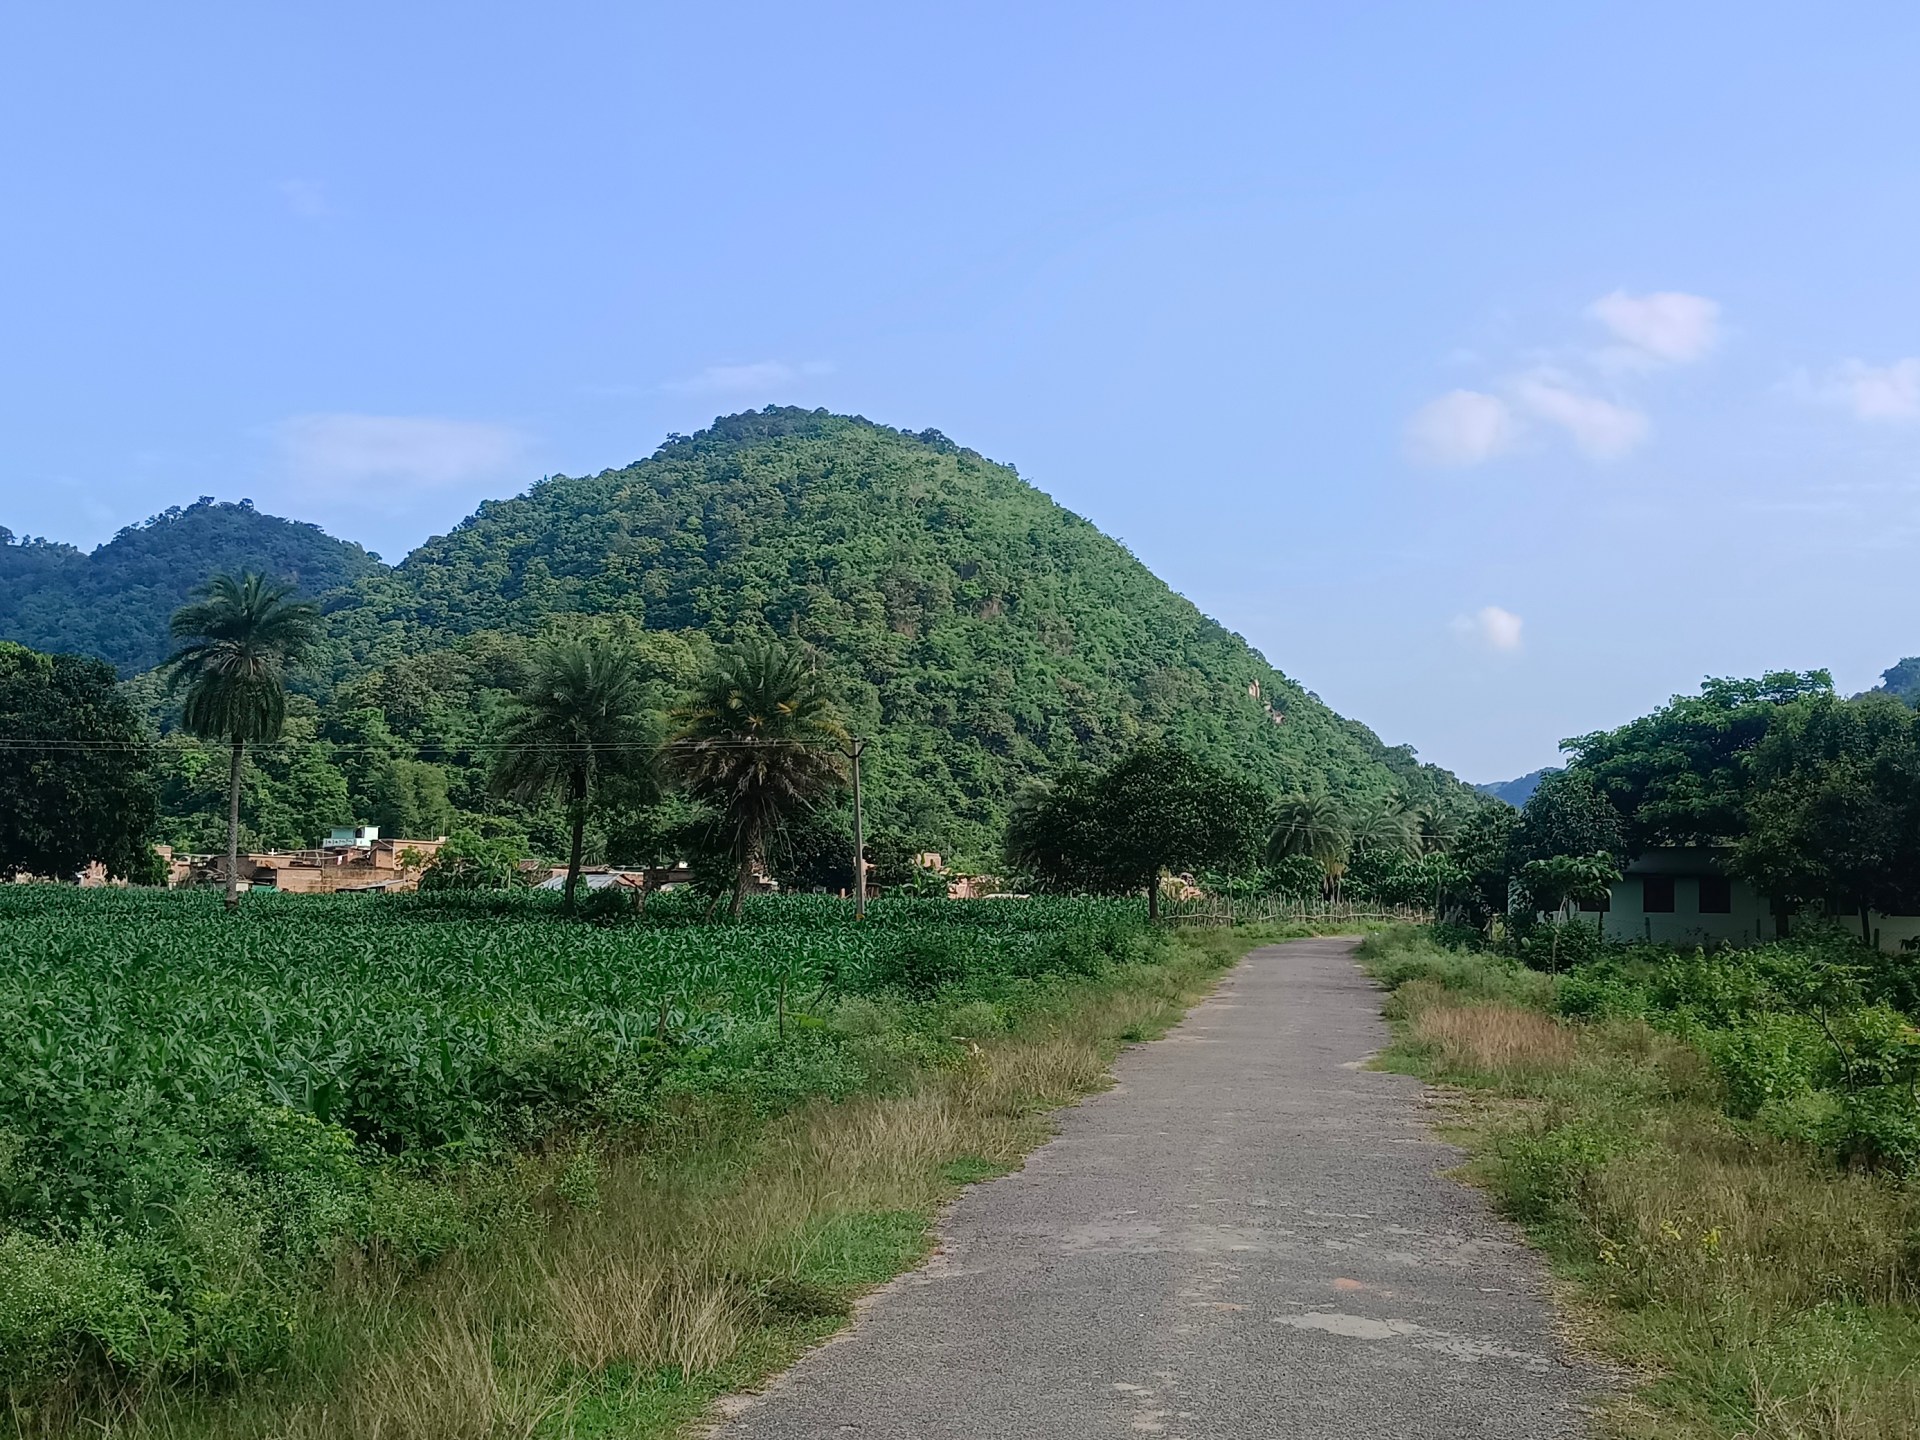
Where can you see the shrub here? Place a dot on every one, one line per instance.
(1766, 1059)
(1544, 1175)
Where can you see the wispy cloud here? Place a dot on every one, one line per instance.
(1576, 389)
(1888, 393)
(1462, 427)
(396, 452)
(305, 198)
(1602, 429)
(1668, 327)
(1490, 626)
(757, 375)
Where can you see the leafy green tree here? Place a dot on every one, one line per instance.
(1835, 808)
(470, 862)
(1568, 815)
(1165, 810)
(1156, 809)
(1056, 838)
(236, 643)
(1556, 882)
(1316, 827)
(76, 769)
(1480, 891)
(758, 741)
(582, 725)
(1679, 775)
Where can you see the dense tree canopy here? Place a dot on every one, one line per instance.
(979, 634)
(115, 603)
(76, 769)
(1154, 810)
(1568, 815)
(1678, 775)
(1834, 813)
(1812, 799)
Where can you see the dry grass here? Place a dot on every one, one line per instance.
(1761, 1293)
(1495, 1038)
(700, 1267)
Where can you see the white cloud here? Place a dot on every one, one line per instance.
(756, 375)
(1604, 430)
(1666, 327)
(396, 452)
(1871, 392)
(1490, 626)
(1462, 427)
(305, 198)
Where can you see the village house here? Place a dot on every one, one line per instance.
(1685, 895)
(356, 859)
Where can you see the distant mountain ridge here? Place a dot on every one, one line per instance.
(1517, 792)
(115, 602)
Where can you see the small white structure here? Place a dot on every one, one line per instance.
(1684, 896)
(357, 837)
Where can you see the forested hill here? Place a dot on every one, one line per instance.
(1517, 792)
(116, 601)
(982, 634)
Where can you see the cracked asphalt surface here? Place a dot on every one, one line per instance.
(1249, 1237)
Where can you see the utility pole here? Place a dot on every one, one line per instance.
(855, 749)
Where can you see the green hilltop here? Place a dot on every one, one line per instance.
(115, 602)
(980, 634)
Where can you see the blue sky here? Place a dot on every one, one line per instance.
(1497, 369)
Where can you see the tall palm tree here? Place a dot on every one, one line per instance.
(1314, 826)
(582, 721)
(757, 740)
(237, 641)
(1386, 827)
(1439, 830)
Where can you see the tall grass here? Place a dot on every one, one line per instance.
(1753, 1287)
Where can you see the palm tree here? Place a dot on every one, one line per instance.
(583, 720)
(1314, 826)
(757, 740)
(238, 639)
(1385, 827)
(1439, 830)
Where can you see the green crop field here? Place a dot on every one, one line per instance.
(200, 1115)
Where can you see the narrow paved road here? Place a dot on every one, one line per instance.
(1250, 1237)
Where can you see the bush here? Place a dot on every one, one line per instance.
(1766, 1059)
(1544, 1175)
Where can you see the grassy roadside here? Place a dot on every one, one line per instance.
(1755, 1289)
(642, 1286)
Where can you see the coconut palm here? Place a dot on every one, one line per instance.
(582, 721)
(1388, 828)
(1314, 826)
(238, 639)
(757, 741)
(1439, 831)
